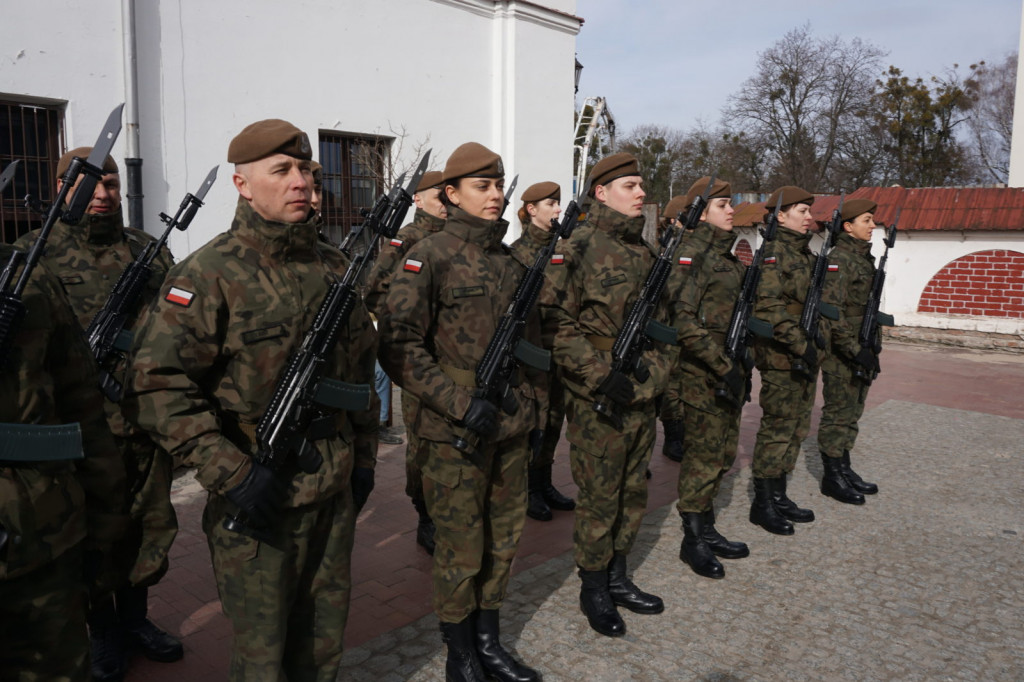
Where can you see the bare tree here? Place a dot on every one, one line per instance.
(990, 121)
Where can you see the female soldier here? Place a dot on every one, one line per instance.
(540, 207)
(441, 310)
(712, 280)
(671, 410)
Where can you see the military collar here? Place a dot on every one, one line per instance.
(100, 228)
(430, 223)
(609, 220)
(788, 236)
(536, 235)
(273, 237)
(485, 233)
(716, 237)
(848, 241)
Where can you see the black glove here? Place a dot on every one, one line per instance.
(866, 359)
(736, 381)
(481, 417)
(618, 387)
(260, 495)
(362, 486)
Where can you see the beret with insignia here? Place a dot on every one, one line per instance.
(429, 180)
(612, 168)
(109, 165)
(855, 207)
(271, 136)
(473, 160)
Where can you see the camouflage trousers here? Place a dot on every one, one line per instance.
(415, 449)
(710, 439)
(42, 623)
(478, 505)
(787, 400)
(287, 603)
(843, 405)
(610, 469)
(153, 523)
(553, 428)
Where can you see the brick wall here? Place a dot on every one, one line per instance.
(983, 283)
(743, 252)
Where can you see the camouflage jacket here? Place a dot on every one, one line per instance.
(391, 253)
(441, 311)
(49, 507)
(785, 278)
(591, 288)
(856, 268)
(88, 258)
(705, 302)
(211, 349)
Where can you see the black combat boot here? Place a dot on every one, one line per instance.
(555, 499)
(786, 506)
(140, 632)
(107, 647)
(673, 446)
(597, 605)
(718, 543)
(694, 551)
(536, 507)
(494, 658)
(424, 527)
(624, 593)
(858, 483)
(462, 664)
(763, 512)
(835, 485)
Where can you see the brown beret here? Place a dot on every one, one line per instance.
(791, 194)
(721, 188)
(109, 165)
(318, 172)
(855, 207)
(612, 168)
(272, 136)
(473, 160)
(429, 180)
(675, 206)
(542, 191)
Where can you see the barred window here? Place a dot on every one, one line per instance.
(34, 133)
(355, 168)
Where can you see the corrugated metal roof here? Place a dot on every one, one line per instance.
(929, 208)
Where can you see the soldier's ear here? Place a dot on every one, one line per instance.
(242, 185)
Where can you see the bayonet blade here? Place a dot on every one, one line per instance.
(417, 175)
(511, 189)
(207, 184)
(104, 143)
(8, 174)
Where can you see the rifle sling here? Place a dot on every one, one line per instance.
(601, 342)
(462, 377)
(40, 442)
(342, 395)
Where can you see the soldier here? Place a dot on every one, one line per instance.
(62, 489)
(442, 308)
(711, 283)
(540, 207)
(671, 411)
(207, 360)
(318, 190)
(428, 219)
(844, 394)
(787, 395)
(88, 258)
(591, 292)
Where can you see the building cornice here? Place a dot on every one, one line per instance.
(525, 10)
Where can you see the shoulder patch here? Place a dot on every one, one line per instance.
(833, 267)
(770, 260)
(412, 265)
(557, 258)
(179, 297)
(396, 242)
(685, 260)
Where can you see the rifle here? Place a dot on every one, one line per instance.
(873, 317)
(106, 333)
(305, 400)
(814, 308)
(742, 323)
(370, 218)
(12, 308)
(507, 347)
(639, 329)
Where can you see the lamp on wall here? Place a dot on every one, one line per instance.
(579, 70)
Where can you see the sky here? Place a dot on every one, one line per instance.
(675, 62)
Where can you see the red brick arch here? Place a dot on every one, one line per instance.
(743, 252)
(982, 283)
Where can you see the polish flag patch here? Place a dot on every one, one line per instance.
(833, 268)
(179, 297)
(396, 242)
(685, 260)
(770, 260)
(413, 265)
(557, 259)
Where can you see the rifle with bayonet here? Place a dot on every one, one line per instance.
(873, 317)
(107, 337)
(507, 348)
(814, 308)
(742, 323)
(86, 173)
(639, 329)
(371, 217)
(305, 400)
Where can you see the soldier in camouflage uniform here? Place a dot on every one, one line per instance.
(62, 489)
(540, 207)
(429, 218)
(787, 395)
(88, 258)
(712, 281)
(590, 293)
(442, 307)
(843, 392)
(207, 360)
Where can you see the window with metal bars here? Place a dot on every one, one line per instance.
(33, 133)
(355, 168)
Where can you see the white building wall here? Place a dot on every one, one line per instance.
(439, 72)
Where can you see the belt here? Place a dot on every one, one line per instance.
(601, 342)
(40, 442)
(461, 377)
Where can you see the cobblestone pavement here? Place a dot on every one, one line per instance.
(923, 582)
